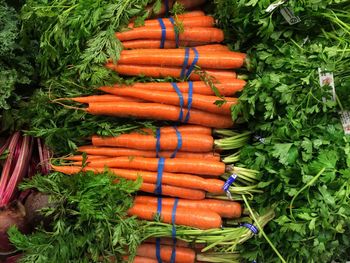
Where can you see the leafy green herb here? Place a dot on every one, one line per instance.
(89, 220)
(301, 148)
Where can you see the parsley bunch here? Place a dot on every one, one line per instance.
(300, 145)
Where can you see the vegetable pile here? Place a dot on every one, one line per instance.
(181, 131)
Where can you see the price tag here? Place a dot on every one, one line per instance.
(345, 120)
(289, 15)
(327, 78)
(273, 6)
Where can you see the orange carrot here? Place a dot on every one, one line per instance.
(175, 165)
(139, 259)
(168, 241)
(227, 209)
(183, 254)
(174, 191)
(159, 111)
(164, 72)
(103, 98)
(115, 152)
(213, 47)
(168, 142)
(154, 43)
(188, 129)
(187, 181)
(198, 218)
(80, 157)
(225, 87)
(200, 102)
(203, 34)
(191, 14)
(167, 190)
(185, 21)
(175, 58)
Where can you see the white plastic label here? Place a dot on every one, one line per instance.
(327, 78)
(273, 6)
(289, 16)
(345, 120)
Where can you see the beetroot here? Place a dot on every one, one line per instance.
(12, 215)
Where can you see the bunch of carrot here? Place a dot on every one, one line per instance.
(181, 168)
(191, 102)
(194, 172)
(153, 49)
(204, 100)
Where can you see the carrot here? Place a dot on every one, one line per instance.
(213, 47)
(168, 241)
(203, 34)
(115, 152)
(167, 190)
(180, 16)
(103, 98)
(191, 14)
(174, 191)
(197, 218)
(188, 129)
(139, 259)
(187, 181)
(175, 58)
(154, 43)
(80, 157)
(183, 254)
(175, 165)
(164, 72)
(186, 21)
(200, 102)
(168, 142)
(159, 111)
(227, 209)
(225, 87)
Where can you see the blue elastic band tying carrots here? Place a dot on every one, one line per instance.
(181, 99)
(159, 259)
(251, 227)
(175, 32)
(157, 142)
(179, 142)
(158, 190)
(194, 62)
(173, 232)
(184, 66)
(162, 25)
(189, 102)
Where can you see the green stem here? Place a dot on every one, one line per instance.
(302, 189)
(262, 231)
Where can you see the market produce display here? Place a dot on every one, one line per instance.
(174, 131)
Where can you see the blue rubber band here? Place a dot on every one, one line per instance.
(189, 102)
(166, 3)
(194, 62)
(181, 99)
(159, 259)
(157, 142)
(179, 142)
(251, 227)
(173, 232)
(229, 182)
(162, 25)
(185, 64)
(172, 21)
(158, 190)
